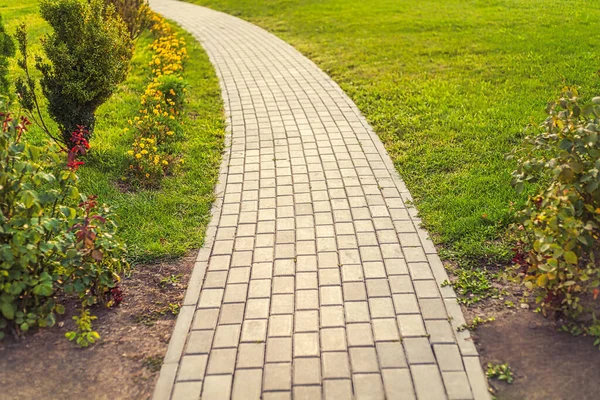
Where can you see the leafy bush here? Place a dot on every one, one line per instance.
(52, 239)
(134, 13)
(7, 49)
(88, 55)
(560, 235)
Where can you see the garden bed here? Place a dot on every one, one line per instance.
(124, 364)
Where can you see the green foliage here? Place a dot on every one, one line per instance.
(477, 321)
(52, 239)
(85, 334)
(134, 13)
(472, 285)
(171, 280)
(88, 55)
(173, 87)
(7, 49)
(560, 223)
(502, 372)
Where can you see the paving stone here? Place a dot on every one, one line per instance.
(428, 382)
(232, 314)
(251, 355)
(247, 384)
(277, 396)
(306, 344)
(368, 386)
(381, 307)
(411, 325)
(206, 319)
(221, 361)
(401, 284)
(307, 300)
(192, 368)
(333, 339)
(354, 291)
(448, 357)
(199, 342)
(359, 335)
(405, 303)
(332, 316)
(278, 376)
(284, 267)
(254, 330)
(418, 350)
(217, 387)
(307, 371)
(306, 280)
(377, 288)
(235, 293)
(440, 331)
(210, 298)
(391, 355)
(352, 273)
(283, 284)
(259, 288)
(279, 349)
(357, 311)
(338, 389)
(433, 309)
(385, 330)
(187, 390)
(335, 365)
(306, 321)
(397, 384)
(307, 393)
(257, 308)
(331, 295)
(281, 325)
(262, 271)
(363, 359)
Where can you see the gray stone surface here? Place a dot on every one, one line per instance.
(315, 280)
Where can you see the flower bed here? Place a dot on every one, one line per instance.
(158, 126)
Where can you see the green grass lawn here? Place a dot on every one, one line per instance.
(449, 86)
(165, 222)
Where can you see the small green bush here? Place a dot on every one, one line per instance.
(7, 49)
(559, 226)
(88, 55)
(134, 13)
(52, 239)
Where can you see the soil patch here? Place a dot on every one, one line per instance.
(547, 364)
(124, 364)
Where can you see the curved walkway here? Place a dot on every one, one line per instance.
(315, 280)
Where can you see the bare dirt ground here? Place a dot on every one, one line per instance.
(547, 364)
(123, 365)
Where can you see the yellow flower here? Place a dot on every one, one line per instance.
(147, 175)
(130, 152)
(144, 152)
(165, 162)
(138, 156)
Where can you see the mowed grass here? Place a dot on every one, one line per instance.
(154, 223)
(449, 86)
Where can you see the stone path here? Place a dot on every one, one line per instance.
(315, 280)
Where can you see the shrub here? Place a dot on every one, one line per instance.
(52, 239)
(7, 49)
(88, 55)
(559, 230)
(134, 13)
